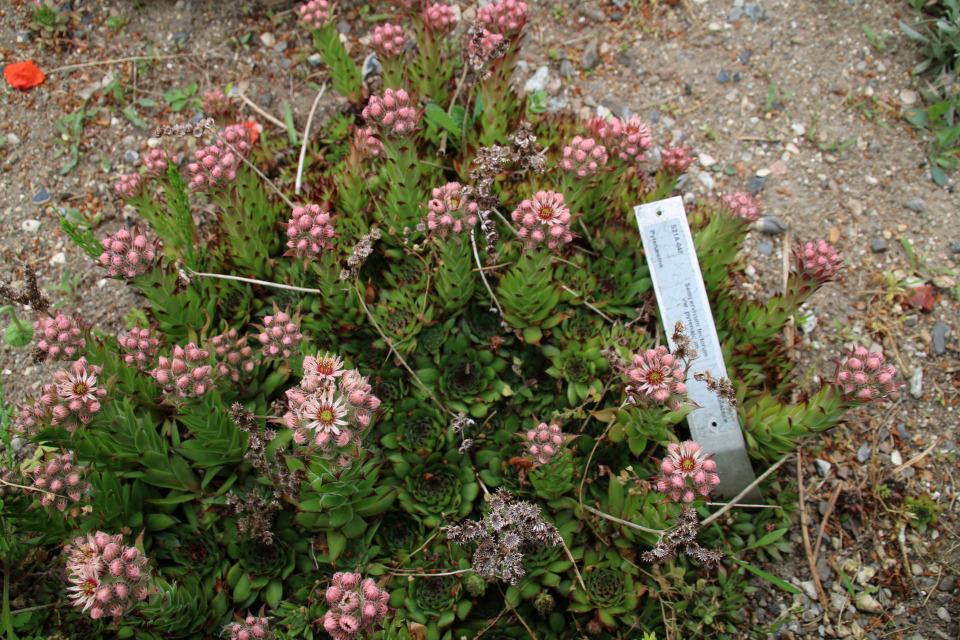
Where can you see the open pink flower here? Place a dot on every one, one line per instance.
(686, 473)
(544, 219)
(656, 376)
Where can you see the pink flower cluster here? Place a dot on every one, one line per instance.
(129, 185)
(627, 140)
(449, 211)
(315, 14)
(30, 418)
(251, 628)
(156, 163)
(389, 40)
(57, 477)
(74, 397)
(583, 156)
(309, 231)
(392, 115)
(742, 205)
(544, 219)
(215, 166)
(545, 443)
(127, 255)
(280, 334)
(686, 473)
(240, 137)
(439, 17)
(216, 104)
(819, 259)
(60, 337)
(656, 375)
(863, 376)
(365, 140)
(331, 407)
(105, 576)
(234, 355)
(355, 604)
(138, 346)
(676, 160)
(489, 43)
(184, 375)
(503, 16)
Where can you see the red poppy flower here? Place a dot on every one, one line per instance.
(23, 75)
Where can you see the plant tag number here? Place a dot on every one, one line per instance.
(681, 297)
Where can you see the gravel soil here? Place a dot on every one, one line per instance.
(791, 100)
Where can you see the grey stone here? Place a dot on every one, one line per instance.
(87, 19)
(131, 156)
(687, 89)
(591, 55)
(917, 204)
(665, 73)
(735, 14)
(705, 179)
(181, 37)
(916, 382)
(620, 4)
(878, 245)
(199, 116)
(668, 121)
(343, 27)
(594, 14)
(653, 117)
(538, 81)
(567, 70)
(371, 66)
(902, 431)
(765, 247)
(809, 589)
(285, 63)
(911, 320)
(616, 16)
(772, 226)
(863, 453)
(745, 56)
(615, 109)
(943, 614)
(755, 12)
(823, 467)
(556, 103)
(939, 334)
(315, 60)
(955, 246)
(266, 100)
(23, 37)
(948, 584)
(281, 46)
(756, 186)
(823, 568)
(42, 197)
(723, 77)
(737, 76)
(268, 39)
(627, 60)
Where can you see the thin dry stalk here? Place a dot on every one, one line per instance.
(743, 494)
(811, 561)
(306, 137)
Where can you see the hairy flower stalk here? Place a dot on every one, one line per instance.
(495, 48)
(74, 398)
(544, 220)
(280, 334)
(355, 605)
(106, 577)
(390, 42)
(511, 529)
(686, 473)
(60, 481)
(396, 123)
(138, 347)
(234, 356)
(330, 410)
(309, 231)
(184, 375)
(431, 72)
(450, 212)
(128, 255)
(60, 338)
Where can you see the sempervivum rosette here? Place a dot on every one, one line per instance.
(439, 488)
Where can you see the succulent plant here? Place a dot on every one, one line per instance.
(436, 488)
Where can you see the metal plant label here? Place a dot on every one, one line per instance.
(681, 297)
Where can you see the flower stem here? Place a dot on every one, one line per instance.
(574, 563)
(262, 283)
(627, 523)
(431, 575)
(476, 255)
(743, 494)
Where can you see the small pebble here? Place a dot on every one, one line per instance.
(916, 382)
(823, 467)
(131, 156)
(30, 226)
(878, 245)
(315, 60)
(863, 453)
(737, 77)
(918, 205)
(59, 258)
(955, 246)
(723, 77)
(567, 70)
(939, 336)
(705, 179)
(281, 46)
(764, 247)
(42, 197)
(756, 185)
(772, 226)
(268, 39)
(13, 139)
(943, 614)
